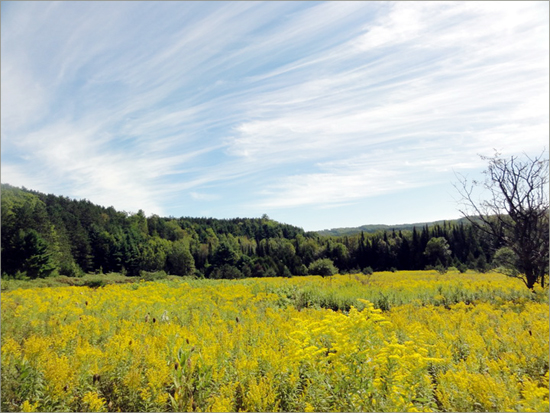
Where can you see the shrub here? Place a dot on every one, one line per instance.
(440, 269)
(95, 283)
(153, 276)
(322, 267)
(462, 267)
(71, 269)
(368, 271)
(226, 271)
(301, 270)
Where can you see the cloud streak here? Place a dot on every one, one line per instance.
(179, 107)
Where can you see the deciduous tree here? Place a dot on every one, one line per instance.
(513, 211)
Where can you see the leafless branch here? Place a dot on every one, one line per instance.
(514, 211)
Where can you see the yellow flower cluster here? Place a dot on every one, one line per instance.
(405, 341)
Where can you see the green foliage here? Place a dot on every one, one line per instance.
(438, 251)
(225, 255)
(155, 252)
(180, 261)
(46, 234)
(368, 271)
(506, 262)
(87, 280)
(153, 276)
(29, 254)
(323, 267)
(226, 271)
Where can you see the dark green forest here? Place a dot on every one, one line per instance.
(44, 235)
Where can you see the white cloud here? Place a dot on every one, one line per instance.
(27, 98)
(144, 105)
(403, 23)
(368, 175)
(474, 87)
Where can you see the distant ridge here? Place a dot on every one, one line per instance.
(382, 227)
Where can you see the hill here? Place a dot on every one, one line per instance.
(373, 228)
(48, 234)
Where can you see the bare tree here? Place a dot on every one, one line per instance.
(513, 212)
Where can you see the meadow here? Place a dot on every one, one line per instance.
(391, 341)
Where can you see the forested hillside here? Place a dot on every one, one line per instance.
(382, 227)
(47, 234)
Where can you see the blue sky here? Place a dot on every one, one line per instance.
(319, 114)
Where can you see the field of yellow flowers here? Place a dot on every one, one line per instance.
(403, 341)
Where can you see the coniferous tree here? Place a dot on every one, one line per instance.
(80, 236)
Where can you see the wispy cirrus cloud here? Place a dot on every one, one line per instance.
(472, 92)
(181, 107)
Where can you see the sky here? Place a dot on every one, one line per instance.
(318, 114)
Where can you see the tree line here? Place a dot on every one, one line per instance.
(47, 234)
